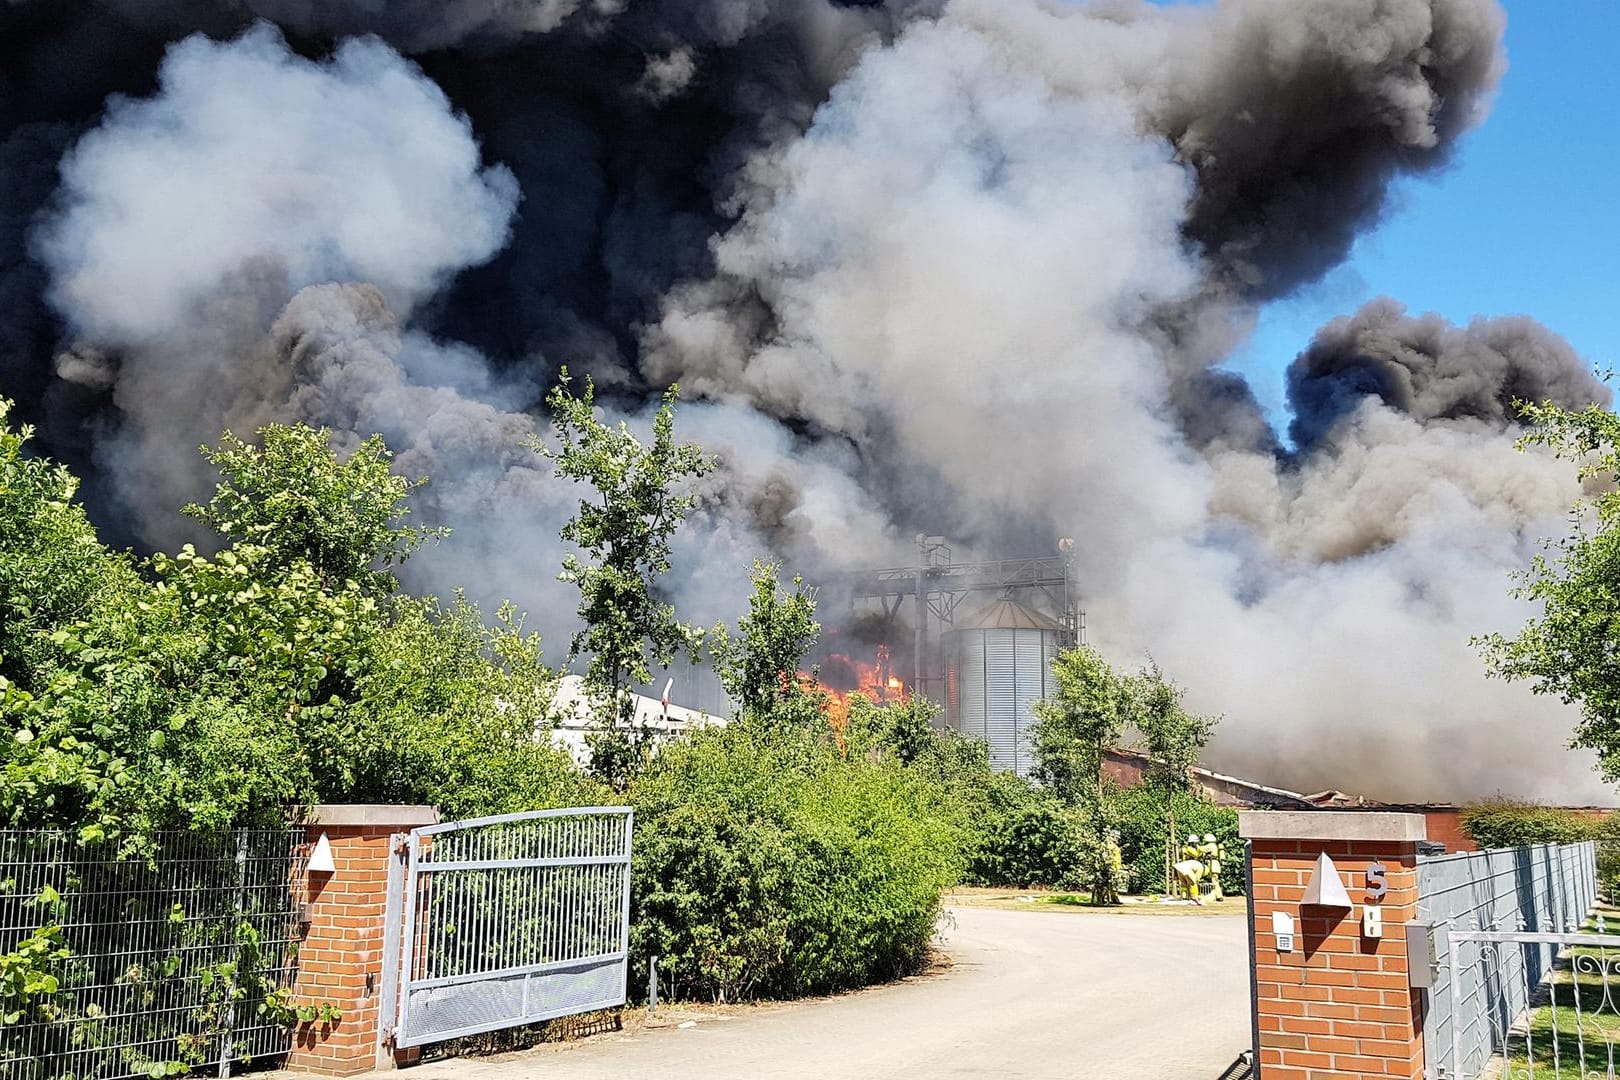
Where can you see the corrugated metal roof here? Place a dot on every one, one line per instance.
(1007, 614)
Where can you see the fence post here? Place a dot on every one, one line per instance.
(1336, 1002)
(393, 924)
(340, 961)
(227, 1048)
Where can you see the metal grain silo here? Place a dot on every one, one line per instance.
(998, 664)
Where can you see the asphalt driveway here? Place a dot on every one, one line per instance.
(1028, 994)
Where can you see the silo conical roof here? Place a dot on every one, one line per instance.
(1007, 614)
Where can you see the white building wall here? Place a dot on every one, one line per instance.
(575, 715)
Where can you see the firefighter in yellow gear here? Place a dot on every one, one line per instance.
(1200, 861)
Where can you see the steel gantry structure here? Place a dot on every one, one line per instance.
(937, 586)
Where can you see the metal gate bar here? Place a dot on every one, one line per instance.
(1516, 979)
(508, 920)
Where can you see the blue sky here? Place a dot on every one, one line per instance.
(1524, 221)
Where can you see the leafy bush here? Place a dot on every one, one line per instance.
(52, 566)
(1142, 829)
(1021, 835)
(767, 864)
(1013, 832)
(29, 975)
(1028, 837)
(1505, 823)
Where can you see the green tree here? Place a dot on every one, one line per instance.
(1173, 738)
(624, 530)
(759, 666)
(1572, 649)
(1072, 730)
(214, 691)
(52, 565)
(296, 498)
(902, 730)
(1075, 725)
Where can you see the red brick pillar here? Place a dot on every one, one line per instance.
(340, 959)
(1338, 1005)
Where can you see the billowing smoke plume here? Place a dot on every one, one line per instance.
(1430, 370)
(186, 220)
(966, 267)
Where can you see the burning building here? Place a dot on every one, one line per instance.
(840, 675)
(976, 638)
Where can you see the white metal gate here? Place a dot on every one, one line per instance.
(1538, 1006)
(502, 921)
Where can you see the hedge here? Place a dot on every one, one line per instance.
(767, 864)
(1506, 823)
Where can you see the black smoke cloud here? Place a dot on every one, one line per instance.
(1306, 115)
(948, 266)
(1428, 369)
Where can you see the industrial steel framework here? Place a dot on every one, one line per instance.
(937, 586)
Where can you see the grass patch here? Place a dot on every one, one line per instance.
(1004, 899)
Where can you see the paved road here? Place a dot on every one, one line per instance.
(1034, 994)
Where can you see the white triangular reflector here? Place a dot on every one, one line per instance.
(320, 859)
(1326, 888)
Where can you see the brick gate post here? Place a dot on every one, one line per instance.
(341, 955)
(1337, 1004)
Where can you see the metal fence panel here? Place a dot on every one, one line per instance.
(511, 920)
(156, 954)
(1478, 993)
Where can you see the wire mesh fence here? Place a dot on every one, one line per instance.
(146, 967)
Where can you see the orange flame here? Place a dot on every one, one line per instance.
(842, 677)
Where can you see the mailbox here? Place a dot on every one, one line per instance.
(1421, 963)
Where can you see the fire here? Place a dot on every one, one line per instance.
(843, 676)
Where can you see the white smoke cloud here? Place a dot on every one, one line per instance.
(957, 252)
(352, 169)
(189, 219)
